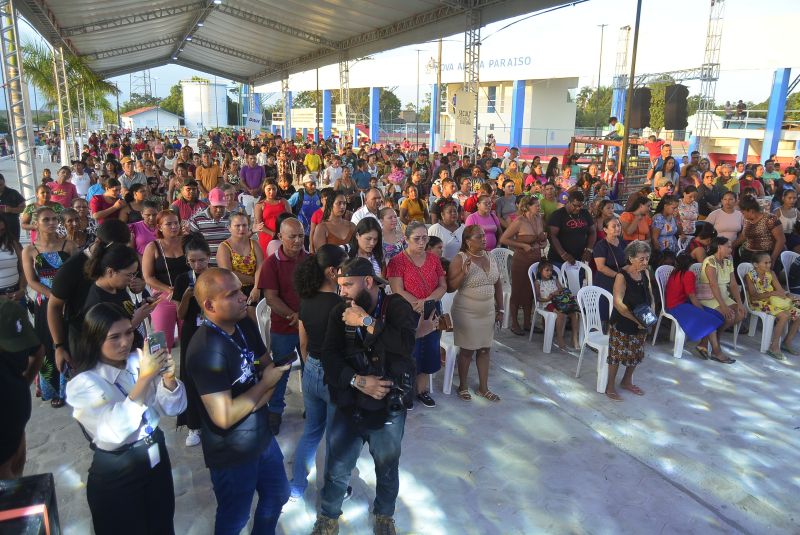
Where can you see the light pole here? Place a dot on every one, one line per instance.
(416, 109)
(119, 121)
(158, 102)
(599, 69)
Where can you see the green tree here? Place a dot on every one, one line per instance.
(657, 103)
(173, 103)
(593, 107)
(137, 100)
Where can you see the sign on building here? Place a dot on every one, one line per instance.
(462, 107)
(304, 118)
(341, 116)
(254, 121)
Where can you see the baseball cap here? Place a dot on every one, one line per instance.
(216, 197)
(16, 330)
(360, 267)
(125, 160)
(309, 178)
(663, 181)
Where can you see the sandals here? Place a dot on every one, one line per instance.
(789, 349)
(518, 331)
(464, 394)
(57, 403)
(701, 352)
(491, 396)
(777, 355)
(722, 358)
(633, 388)
(613, 396)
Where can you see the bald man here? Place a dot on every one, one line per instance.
(238, 447)
(277, 282)
(373, 200)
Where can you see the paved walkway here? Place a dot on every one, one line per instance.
(709, 449)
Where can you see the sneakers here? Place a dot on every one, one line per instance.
(193, 438)
(384, 525)
(275, 420)
(325, 526)
(426, 399)
(348, 493)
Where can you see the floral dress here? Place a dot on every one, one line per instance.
(775, 304)
(390, 250)
(668, 230)
(688, 214)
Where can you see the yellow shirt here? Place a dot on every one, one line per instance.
(518, 179)
(415, 212)
(312, 162)
(208, 176)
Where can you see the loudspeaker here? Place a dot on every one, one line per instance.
(640, 108)
(28, 505)
(676, 108)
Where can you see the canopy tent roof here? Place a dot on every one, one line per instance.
(250, 41)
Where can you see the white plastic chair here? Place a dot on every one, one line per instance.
(447, 343)
(570, 276)
(548, 317)
(787, 259)
(264, 317)
(589, 302)
(683, 243)
(676, 333)
(501, 257)
(767, 320)
(696, 268)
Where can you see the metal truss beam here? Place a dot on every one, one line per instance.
(201, 16)
(271, 24)
(209, 70)
(43, 19)
(472, 62)
(344, 92)
(133, 18)
(413, 22)
(287, 106)
(229, 51)
(16, 91)
(131, 49)
(698, 73)
(61, 102)
(135, 67)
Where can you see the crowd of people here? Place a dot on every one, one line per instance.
(147, 238)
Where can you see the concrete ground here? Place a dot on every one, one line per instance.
(710, 448)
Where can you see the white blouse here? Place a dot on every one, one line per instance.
(101, 404)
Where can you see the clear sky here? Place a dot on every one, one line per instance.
(757, 38)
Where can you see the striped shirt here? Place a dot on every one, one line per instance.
(214, 231)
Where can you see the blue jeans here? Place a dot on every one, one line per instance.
(234, 488)
(345, 440)
(319, 411)
(280, 345)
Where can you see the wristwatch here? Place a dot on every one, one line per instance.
(367, 320)
(353, 381)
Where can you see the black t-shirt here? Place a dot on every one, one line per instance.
(314, 314)
(573, 232)
(194, 314)
(71, 286)
(271, 171)
(216, 364)
(12, 199)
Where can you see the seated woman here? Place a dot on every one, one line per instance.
(767, 295)
(636, 221)
(762, 233)
(666, 227)
(718, 288)
(698, 247)
(698, 322)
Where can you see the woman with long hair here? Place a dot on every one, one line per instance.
(198, 255)
(412, 208)
(266, 212)
(145, 231)
(418, 276)
(687, 211)
(162, 261)
(135, 198)
(717, 286)
(13, 285)
(394, 241)
(477, 309)
(698, 247)
(697, 321)
(316, 284)
(74, 232)
(109, 205)
(41, 261)
(667, 171)
(552, 172)
(334, 228)
(666, 229)
(42, 199)
(242, 255)
(527, 238)
(787, 214)
(119, 398)
(603, 210)
(367, 243)
(627, 334)
(85, 221)
(762, 232)
(487, 219)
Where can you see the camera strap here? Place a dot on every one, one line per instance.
(247, 356)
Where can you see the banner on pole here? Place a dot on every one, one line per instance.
(254, 121)
(462, 106)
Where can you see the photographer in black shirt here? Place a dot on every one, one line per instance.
(369, 371)
(226, 364)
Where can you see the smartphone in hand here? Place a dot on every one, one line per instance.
(156, 341)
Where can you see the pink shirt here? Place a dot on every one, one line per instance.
(63, 193)
(489, 224)
(142, 235)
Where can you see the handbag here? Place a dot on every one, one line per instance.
(445, 323)
(645, 314)
(564, 302)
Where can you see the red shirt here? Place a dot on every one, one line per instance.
(277, 274)
(100, 203)
(186, 210)
(316, 218)
(654, 148)
(63, 193)
(418, 281)
(679, 287)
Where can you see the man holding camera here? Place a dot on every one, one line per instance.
(369, 371)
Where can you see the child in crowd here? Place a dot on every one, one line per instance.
(553, 298)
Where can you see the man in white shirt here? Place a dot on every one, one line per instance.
(261, 157)
(81, 177)
(331, 174)
(513, 155)
(372, 204)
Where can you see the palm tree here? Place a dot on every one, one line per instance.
(37, 66)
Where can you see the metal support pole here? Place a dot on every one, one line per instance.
(623, 153)
(17, 96)
(85, 114)
(344, 93)
(472, 53)
(287, 106)
(318, 132)
(61, 97)
(599, 70)
(79, 116)
(70, 117)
